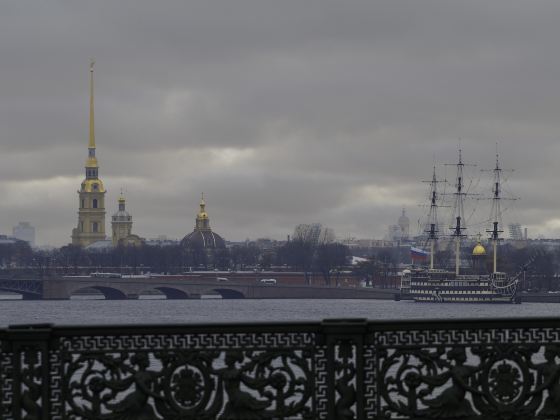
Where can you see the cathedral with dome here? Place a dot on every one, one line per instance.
(90, 231)
(202, 235)
(202, 244)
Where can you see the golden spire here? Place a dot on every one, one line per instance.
(91, 160)
(202, 221)
(91, 119)
(202, 213)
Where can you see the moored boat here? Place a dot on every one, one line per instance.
(441, 285)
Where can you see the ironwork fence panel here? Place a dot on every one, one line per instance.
(335, 369)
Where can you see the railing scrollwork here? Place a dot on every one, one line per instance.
(335, 369)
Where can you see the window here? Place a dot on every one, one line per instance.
(95, 203)
(81, 226)
(83, 204)
(94, 227)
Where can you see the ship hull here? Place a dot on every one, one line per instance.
(440, 286)
(471, 299)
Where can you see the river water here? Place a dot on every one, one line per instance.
(88, 311)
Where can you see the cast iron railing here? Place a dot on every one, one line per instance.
(335, 369)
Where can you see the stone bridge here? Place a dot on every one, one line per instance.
(173, 288)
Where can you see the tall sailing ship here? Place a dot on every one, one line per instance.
(442, 285)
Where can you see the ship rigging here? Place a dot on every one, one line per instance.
(440, 285)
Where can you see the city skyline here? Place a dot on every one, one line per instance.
(281, 113)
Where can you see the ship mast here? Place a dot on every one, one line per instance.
(432, 225)
(458, 213)
(496, 212)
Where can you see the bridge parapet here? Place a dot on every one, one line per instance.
(335, 369)
(173, 288)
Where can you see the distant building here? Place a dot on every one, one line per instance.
(25, 232)
(400, 231)
(404, 225)
(515, 232)
(8, 240)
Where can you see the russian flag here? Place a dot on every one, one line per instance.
(418, 254)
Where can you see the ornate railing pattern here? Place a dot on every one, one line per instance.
(335, 369)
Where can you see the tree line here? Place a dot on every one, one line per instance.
(323, 258)
(328, 259)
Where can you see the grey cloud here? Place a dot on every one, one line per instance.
(283, 112)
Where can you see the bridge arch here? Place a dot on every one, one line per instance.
(28, 289)
(24, 295)
(172, 293)
(226, 293)
(110, 293)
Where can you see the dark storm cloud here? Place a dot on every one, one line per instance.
(281, 112)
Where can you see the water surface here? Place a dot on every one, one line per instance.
(156, 311)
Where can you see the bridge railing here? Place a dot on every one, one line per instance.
(335, 369)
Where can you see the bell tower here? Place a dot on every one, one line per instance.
(91, 210)
(121, 222)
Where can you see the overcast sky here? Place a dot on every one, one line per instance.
(282, 112)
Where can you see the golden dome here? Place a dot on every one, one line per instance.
(93, 185)
(478, 250)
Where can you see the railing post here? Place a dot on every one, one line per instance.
(29, 349)
(344, 339)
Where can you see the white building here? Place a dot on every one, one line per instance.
(515, 232)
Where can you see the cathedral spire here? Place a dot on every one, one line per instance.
(122, 201)
(91, 213)
(202, 203)
(91, 160)
(91, 119)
